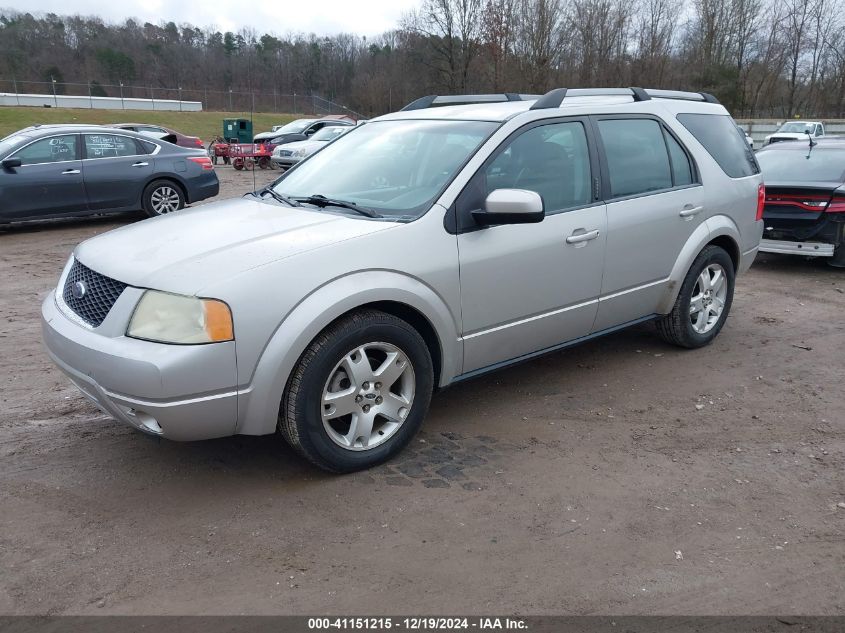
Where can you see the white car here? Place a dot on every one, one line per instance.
(292, 153)
(795, 131)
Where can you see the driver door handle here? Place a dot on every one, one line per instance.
(69, 172)
(690, 211)
(577, 238)
(140, 164)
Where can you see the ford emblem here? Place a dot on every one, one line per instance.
(78, 290)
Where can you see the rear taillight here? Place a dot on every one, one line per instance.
(198, 142)
(761, 201)
(837, 205)
(202, 161)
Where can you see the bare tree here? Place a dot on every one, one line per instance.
(538, 42)
(655, 27)
(451, 28)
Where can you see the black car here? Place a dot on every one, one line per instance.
(56, 171)
(804, 210)
(299, 130)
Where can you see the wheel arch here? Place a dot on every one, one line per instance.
(719, 231)
(170, 177)
(402, 296)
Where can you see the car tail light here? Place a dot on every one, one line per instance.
(198, 142)
(202, 161)
(761, 201)
(837, 205)
(807, 202)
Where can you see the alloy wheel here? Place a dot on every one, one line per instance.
(165, 200)
(368, 396)
(708, 298)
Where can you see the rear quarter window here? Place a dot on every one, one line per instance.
(723, 141)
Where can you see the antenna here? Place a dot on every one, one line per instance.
(251, 116)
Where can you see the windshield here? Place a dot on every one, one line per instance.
(396, 168)
(294, 127)
(816, 165)
(794, 127)
(10, 142)
(328, 133)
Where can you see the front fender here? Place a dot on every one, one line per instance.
(259, 404)
(712, 228)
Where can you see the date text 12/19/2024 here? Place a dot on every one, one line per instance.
(417, 624)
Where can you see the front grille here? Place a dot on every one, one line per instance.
(100, 293)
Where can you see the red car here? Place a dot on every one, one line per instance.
(161, 132)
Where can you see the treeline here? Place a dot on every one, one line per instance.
(761, 58)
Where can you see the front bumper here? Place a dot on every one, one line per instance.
(180, 392)
(807, 249)
(285, 161)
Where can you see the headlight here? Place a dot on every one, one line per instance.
(169, 318)
(301, 153)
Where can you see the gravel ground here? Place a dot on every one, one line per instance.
(623, 476)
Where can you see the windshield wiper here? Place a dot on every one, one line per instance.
(322, 201)
(277, 196)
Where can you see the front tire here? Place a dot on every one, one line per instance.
(162, 197)
(703, 304)
(359, 392)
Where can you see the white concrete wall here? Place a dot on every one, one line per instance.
(97, 103)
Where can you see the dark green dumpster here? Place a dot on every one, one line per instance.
(239, 129)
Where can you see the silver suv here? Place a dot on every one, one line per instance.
(427, 247)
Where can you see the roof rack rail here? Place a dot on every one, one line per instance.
(432, 101)
(554, 98)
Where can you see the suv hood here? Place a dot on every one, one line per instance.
(195, 248)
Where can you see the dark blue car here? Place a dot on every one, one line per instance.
(54, 171)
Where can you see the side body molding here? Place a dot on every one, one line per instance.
(258, 404)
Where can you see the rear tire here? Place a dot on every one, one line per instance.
(358, 393)
(703, 304)
(162, 197)
(838, 259)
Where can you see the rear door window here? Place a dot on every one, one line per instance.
(723, 141)
(637, 158)
(110, 146)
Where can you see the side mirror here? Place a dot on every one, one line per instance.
(11, 163)
(511, 206)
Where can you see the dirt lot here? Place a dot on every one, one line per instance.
(622, 476)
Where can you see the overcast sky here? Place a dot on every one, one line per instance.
(364, 17)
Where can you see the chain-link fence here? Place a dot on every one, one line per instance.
(214, 100)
